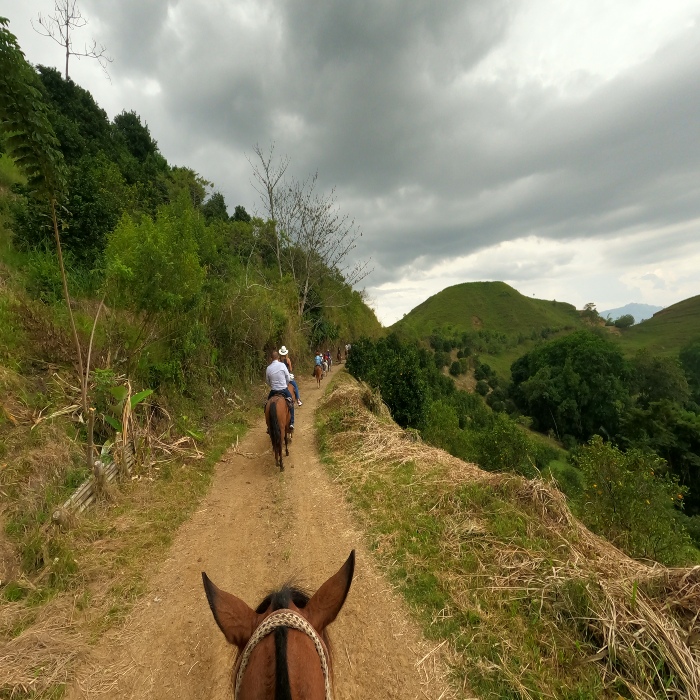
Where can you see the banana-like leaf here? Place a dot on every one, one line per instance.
(136, 399)
(113, 422)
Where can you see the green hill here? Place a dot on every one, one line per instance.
(493, 306)
(667, 331)
(499, 323)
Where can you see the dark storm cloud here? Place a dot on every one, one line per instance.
(133, 31)
(380, 97)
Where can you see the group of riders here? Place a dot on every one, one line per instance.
(279, 376)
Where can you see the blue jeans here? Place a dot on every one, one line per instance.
(293, 382)
(286, 392)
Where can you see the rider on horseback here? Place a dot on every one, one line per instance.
(277, 378)
(286, 360)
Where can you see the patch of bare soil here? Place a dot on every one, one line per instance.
(256, 529)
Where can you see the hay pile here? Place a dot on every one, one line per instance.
(642, 619)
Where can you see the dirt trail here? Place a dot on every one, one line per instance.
(256, 529)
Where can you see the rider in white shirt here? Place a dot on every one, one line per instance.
(277, 378)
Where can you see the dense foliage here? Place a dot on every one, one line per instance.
(632, 487)
(194, 295)
(572, 386)
(631, 499)
(420, 396)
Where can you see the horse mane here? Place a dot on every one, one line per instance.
(278, 600)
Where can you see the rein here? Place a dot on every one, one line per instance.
(283, 618)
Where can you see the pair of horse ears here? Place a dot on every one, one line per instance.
(238, 621)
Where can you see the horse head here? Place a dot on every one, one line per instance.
(283, 646)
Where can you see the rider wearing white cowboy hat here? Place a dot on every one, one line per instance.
(285, 359)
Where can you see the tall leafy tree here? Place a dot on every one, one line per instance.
(576, 385)
(690, 361)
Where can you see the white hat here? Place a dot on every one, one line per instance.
(283, 350)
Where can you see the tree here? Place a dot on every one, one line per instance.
(318, 238)
(214, 209)
(136, 136)
(240, 214)
(590, 313)
(60, 27)
(624, 321)
(658, 378)
(690, 360)
(268, 176)
(575, 385)
(630, 499)
(312, 238)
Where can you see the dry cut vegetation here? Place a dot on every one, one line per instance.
(528, 602)
(62, 585)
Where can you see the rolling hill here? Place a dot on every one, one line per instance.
(498, 308)
(493, 306)
(667, 331)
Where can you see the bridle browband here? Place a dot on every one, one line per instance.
(283, 618)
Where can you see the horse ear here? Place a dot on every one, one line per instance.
(235, 619)
(326, 603)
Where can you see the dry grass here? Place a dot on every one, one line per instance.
(508, 557)
(62, 589)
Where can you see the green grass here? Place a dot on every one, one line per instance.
(443, 545)
(666, 332)
(493, 306)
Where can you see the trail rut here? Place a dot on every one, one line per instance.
(256, 529)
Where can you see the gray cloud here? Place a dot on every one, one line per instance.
(382, 98)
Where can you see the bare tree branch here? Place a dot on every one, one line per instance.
(60, 27)
(268, 175)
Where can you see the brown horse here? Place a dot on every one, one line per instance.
(278, 418)
(283, 649)
(318, 374)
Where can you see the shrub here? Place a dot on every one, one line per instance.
(631, 500)
(442, 359)
(456, 368)
(568, 478)
(504, 447)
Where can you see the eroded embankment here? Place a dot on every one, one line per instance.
(527, 601)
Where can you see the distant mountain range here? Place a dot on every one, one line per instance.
(641, 312)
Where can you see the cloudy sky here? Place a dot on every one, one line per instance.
(552, 144)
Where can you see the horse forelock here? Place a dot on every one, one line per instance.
(293, 598)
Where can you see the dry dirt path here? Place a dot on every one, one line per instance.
(254, 530)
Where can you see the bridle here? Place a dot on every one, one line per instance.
(283, 618)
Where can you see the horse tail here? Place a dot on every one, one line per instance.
(275, 432)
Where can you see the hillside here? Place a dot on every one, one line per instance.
(667, 331)
(522, 599)
(500, 323)
(493, 306)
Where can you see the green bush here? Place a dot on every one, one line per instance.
(568, 478)
(504, 446)
(395, 369)
(630, 499)
(482, 387)
(456, 368)
(43, 275)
